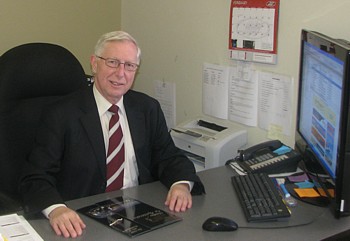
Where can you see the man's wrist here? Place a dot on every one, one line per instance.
(48, 210)
(190, 184)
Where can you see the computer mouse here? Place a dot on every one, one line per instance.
(219, 224)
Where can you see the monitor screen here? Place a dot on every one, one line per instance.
(323, 116)
(320, 103)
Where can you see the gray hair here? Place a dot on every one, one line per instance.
(115, 36)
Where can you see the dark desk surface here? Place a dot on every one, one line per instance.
(307, 222)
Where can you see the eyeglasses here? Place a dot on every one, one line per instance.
(114, 63)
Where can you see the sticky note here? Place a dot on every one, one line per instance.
(275, 132)
(323, 193)
(282, 150)
(299, 178)
(331, 192)
(306, 192)
(305, 184)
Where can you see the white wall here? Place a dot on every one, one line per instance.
(178, 36)
(76, 25)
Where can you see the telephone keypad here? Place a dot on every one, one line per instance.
(262, 158)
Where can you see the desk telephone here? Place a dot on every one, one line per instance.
(269, 157)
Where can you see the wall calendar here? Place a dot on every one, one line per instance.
(253, 30)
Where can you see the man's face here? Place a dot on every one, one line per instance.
(113, 83)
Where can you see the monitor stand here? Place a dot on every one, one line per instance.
(311, 165)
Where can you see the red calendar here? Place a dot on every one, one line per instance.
(253, 30)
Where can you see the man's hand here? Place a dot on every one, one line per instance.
(66, 222)
(179, 198)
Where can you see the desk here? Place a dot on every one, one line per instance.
(220, 200)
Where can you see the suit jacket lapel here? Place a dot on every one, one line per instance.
(136, 120)
(92, 125)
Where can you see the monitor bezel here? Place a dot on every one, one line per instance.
(342, 174)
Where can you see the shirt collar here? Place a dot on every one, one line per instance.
(103, 105)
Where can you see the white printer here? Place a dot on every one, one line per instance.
(209, 142)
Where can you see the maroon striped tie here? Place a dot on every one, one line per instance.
(116, 153)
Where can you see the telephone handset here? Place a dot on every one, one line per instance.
(247, 154)
(269, 157)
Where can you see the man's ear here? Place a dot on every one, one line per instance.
(93, 63)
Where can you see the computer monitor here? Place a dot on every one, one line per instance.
(323, 117)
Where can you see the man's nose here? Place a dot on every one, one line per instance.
(120, 69)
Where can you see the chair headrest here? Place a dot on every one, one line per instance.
(39, 69)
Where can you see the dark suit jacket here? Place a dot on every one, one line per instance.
(69, 159)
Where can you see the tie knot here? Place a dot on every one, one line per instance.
(114, 109)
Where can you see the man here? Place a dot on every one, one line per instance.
(70, 156)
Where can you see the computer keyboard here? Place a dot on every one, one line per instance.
(259, 197)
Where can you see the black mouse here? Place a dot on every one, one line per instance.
(219, 224)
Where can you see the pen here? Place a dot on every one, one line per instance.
(2, 238)
(290, 201)
(287, 197)
(285, 191)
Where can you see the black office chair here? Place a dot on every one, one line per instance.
(32, 76)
